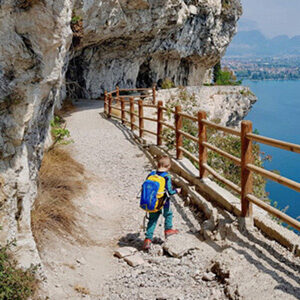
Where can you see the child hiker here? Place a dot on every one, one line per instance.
(163, 166)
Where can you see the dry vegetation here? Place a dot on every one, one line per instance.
(61, 179)
(81, 290)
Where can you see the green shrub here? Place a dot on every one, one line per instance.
(224, 76)
(59, 132)
(167, 84)
(75, 18)
(15, 283)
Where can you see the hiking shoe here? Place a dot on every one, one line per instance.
(147, 244)
(169, 232)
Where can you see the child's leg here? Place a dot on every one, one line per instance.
(168, 215)
(153, 217)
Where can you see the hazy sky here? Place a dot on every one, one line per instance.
(273, 17)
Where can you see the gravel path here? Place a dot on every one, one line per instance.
(232, 266)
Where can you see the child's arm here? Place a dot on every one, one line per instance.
(169, 186)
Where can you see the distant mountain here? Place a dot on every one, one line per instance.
(254, 43)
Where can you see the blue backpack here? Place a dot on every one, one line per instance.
(153, 190)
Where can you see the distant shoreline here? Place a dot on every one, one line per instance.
(257, 80)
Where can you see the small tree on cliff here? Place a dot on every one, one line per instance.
(224, 77)
(216, 71)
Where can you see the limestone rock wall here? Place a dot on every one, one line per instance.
(138, 42)
(226, 105)
(34, 40)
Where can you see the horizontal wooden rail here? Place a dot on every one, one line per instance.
(150, 105)
(190, 155)
(140, 96)
(127, 111)
(168, 125)
(189, 117)
(149, 131)
(275, 177)
(149, 119)
(126, 100)
(116, 107)
(222, 179)
(124, 96)
(137, 89)
(189, 136)
(115, 116)
(236, 160)
(284, 217)
(274, 143)
(222, 128)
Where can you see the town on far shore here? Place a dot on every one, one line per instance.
(264, 68)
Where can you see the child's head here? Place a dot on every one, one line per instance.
(164, 163)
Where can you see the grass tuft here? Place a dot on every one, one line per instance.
(167, 84)
(61, 179)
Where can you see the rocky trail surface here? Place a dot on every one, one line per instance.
(231, 265)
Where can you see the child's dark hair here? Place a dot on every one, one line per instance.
(163, 161)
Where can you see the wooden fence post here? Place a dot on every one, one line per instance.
(117, 93)
(105, 102)
(141, 116)
(246, 175)
(122, 110)
(109, 105)
(132, 113)
(159, 120)
(154, 93)
(202, 138)
(178, 126)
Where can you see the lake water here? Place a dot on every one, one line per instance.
(276, 114)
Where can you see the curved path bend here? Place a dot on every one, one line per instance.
(247, 267)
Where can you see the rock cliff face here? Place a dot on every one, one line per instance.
(34, 39)
(122, 42)
(226, 105)
(138, 42)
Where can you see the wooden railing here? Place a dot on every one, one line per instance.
(246, 162)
